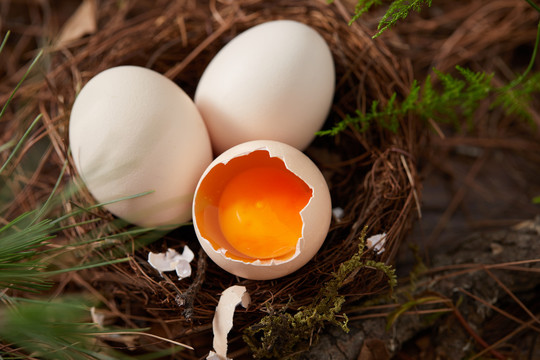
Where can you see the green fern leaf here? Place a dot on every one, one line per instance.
(362, 7)
(517, 100)
(399, 10)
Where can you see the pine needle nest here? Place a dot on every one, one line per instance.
(372, 173)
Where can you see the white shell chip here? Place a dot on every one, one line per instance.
(376, 242)
(171, 260)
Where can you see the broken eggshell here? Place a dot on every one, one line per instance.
(223, 319)
(376, 242)
(171, 260)
(315, 215)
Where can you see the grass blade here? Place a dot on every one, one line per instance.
(4, 41)
(32, 64)
(21, 142)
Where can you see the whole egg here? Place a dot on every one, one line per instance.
(262, 210)
(134, 131)
(274, 81)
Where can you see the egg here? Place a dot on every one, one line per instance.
(273, 81)
(131, 131)
(261, 210)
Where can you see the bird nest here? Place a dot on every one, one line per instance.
(371, 172)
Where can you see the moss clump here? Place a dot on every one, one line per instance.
(285, 335)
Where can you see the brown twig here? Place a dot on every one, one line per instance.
(475, 336)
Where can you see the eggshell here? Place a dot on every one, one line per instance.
(223, 319)
(274, 81)
(132, 130)
(316, 215)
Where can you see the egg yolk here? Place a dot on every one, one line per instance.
(259, 212)
(249, 207)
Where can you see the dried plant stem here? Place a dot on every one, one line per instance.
(144, 334)
(475, 336)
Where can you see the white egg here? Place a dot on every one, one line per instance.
(131, 131)
(274, 81)
(262, 210)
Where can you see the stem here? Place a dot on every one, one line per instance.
(531, 62)
(536, 7)
(20, 143)
(36, 59)
(141, 333)
(49, 199)
(4, 41)
(475, 336)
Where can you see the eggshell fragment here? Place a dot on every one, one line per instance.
(376, 242)
(171, 260)
(223, 319)
(273, 81)
(315, 215)
(131, 131)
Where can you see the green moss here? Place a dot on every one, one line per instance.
(284, 335)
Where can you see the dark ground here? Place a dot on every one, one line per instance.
(476, 209)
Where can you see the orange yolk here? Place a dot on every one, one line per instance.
(259, 211)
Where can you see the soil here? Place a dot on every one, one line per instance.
(476, 210)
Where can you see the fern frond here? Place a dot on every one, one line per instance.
(387, 117)
(362, 7)
(517, 95)
(516, 101)
(478, 88)
(458, 98)
(399, 10)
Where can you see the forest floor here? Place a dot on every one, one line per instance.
(469, 271)
(476, 210)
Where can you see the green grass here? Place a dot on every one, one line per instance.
(32, 323)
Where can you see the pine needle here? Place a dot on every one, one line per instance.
(53, 329)
(4, 41)
(20, 142)
(32, 64)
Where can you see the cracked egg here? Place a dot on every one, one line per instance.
(262, 210)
